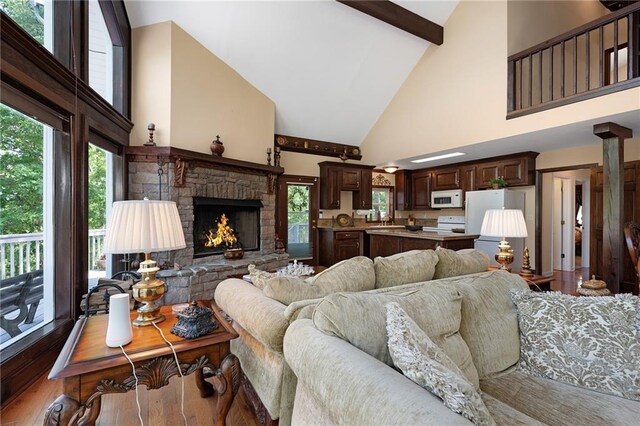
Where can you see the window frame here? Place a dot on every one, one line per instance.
(390, 203)
(44, 86)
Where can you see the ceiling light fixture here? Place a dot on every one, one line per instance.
(390, 169)
(438, 157)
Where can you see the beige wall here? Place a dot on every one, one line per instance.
(532, 22)
(456, 94)
(586, 154)
(192, 96)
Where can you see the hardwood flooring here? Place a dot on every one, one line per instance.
(568, 281)
(160, 407)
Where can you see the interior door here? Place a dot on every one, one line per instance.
(297, 216)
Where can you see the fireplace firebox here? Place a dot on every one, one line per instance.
(243, 216)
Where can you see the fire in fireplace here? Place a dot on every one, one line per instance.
(242, 216)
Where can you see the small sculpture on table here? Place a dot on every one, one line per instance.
(194, 321)
(593, 287)
(526, 267)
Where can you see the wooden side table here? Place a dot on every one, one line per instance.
(91, 369)
(535, 282)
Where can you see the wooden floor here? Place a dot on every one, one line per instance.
(158, 407)
(568, 281)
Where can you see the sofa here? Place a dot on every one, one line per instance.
(345, 375)
(262, 312)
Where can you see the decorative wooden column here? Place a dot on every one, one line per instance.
(613, 137)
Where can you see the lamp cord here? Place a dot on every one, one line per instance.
(179, 371)
(136, 388)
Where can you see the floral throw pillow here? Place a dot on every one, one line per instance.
(423, 362)
(591, 342)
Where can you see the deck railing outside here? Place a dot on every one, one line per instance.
(595, 59)
(298, 233)
(22, 253)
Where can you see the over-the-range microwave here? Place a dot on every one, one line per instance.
(446, 199)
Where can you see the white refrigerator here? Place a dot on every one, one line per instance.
(476, 204)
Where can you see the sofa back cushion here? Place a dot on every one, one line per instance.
(355, 274)
(404, 268)
(489, 323)
(462, 262)
(360, 319)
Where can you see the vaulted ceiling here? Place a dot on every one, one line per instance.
(330, 70)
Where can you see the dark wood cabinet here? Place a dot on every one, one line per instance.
(387, 245)
(336, 177)
(517, 170)
(421, 190)
(468, 176)
(631, 213)
(443, 179)
(336, 246)
(330, 187)
(363, 199)
(403, 190)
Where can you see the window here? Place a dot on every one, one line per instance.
(100, 200)
(34, 16)
(382, 205)
(26, 225)
(100, 53)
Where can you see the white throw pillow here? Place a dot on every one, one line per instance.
(591, 342)
(423, 362)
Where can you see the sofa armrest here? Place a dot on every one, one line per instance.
(355, 388)
(259, 315)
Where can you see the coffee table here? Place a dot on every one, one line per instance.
(90, 369)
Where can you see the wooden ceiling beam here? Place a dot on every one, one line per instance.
(399, 17)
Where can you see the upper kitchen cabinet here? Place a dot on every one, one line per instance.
(517, 170)
(336, 177)
(403, 190)
(443, 179)
(468, 176)
(421, 190)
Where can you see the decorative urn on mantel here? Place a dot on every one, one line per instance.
(217, 148)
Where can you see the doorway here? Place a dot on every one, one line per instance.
(297, 216)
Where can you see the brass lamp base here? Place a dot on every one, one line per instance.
(505, 256)
(148, 291)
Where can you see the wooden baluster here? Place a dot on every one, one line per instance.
(575, 64)
(511, 95)
(587, 54)
(2, 261)
(38, 255)
(12, 259)
(633, 51)
(521, 89)
(551, 73)
(562, 57)
(540, 74)
(21, 258)
(28, 247)
(530, 79)
(600, 56)
(615, 51)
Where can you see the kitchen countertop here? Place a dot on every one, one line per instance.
(361, 227)
(426, 235)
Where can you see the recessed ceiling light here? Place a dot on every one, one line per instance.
(391, 169)
(438, 157)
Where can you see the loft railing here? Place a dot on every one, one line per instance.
(22, 253)
(596, 59)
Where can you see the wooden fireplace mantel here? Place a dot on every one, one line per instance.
(182, 158)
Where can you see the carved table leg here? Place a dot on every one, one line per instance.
(226, 382)
(93, 411)
(206, 388)
(60, 411)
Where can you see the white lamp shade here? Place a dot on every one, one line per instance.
(504, 223)
(143, 226)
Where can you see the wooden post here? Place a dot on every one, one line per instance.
(613, 137)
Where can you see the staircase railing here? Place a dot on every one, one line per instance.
(596, 59)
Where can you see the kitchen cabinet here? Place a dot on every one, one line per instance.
(517, 170)
(468, 176)
(421, 190)
(403, 190)
(336, 246)
(388, 243)
(336, 177)
(443, 179)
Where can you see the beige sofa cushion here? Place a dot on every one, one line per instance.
(590, 342)
(355, 274)
(427, 365)
(556, 403)
(489, 324)
(403, 268)
(360, 319)
(462, 262)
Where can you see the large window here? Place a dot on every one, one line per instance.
(100, 53)
(55, 186)
(26, 227)
(100, 200)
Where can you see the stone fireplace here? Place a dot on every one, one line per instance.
(243, 217)
(206, 185)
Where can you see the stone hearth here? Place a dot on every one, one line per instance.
(187, 174)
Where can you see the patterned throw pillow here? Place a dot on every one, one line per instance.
(591, 342)
(259, 277)
(423, 362)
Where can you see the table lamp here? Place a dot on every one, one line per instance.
(145, 226)
(504, 223)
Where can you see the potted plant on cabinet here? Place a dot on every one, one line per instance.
(497, 183)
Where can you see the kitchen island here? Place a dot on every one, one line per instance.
(386, 242)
